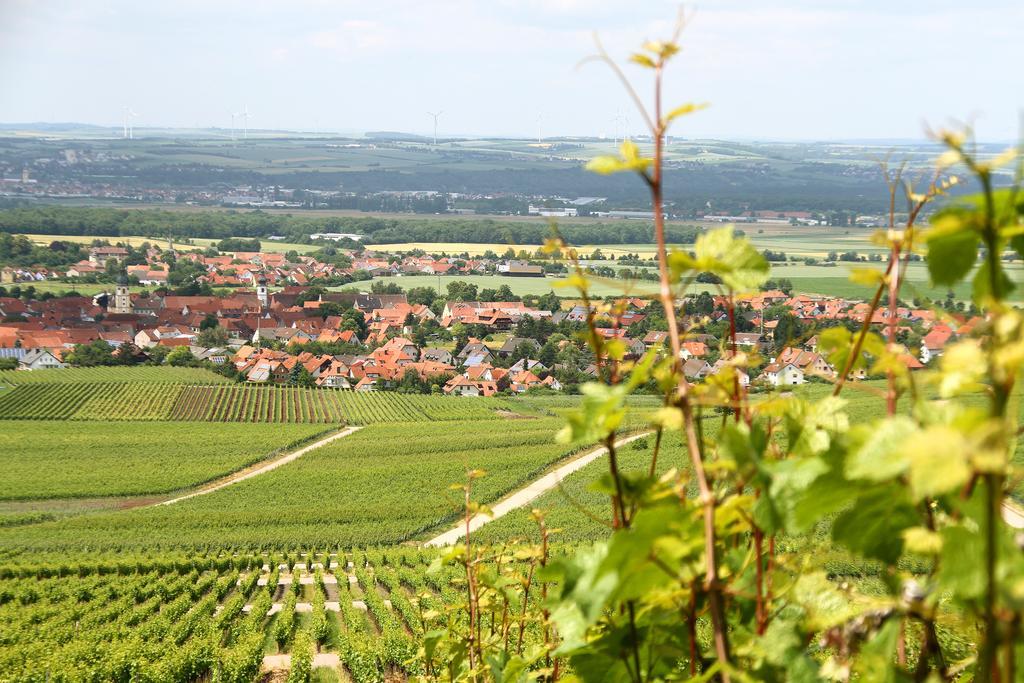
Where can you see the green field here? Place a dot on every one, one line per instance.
(521, 286)
(577, 509)
(147, 374)
(162, 616)
(158, 400)
(383, 484)
(96, 459)
(266, 245)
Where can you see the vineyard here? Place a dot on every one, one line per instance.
(383, 484)
(142, 401)
(91, 459)
(146, 373)
(173, 618)
(248, 403)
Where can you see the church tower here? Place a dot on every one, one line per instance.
(122, 301)
(261, 292)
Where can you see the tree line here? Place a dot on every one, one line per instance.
(156, 223)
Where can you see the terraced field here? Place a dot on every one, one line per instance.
(92, 459)
(156, 401)
(177, 618)
(384, 484)
(148, 374)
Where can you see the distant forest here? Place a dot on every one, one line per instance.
(808, 186)
(103, 222)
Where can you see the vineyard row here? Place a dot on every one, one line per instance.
(147, 401)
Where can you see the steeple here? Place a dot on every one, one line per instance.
(122, 300)
(261, 291)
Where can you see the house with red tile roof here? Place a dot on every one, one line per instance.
(934, 343)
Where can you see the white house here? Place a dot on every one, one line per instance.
(39, 359)
(778, 374)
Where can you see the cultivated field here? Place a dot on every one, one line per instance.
(96, 459)
(382, 484)
(145, 373)
(177, 617)
(135, 401)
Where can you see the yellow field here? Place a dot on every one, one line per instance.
(87, 239)
(201, 242)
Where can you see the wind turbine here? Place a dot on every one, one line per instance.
(436, 117)
(617, 127)
(244, 115)
(540, 121)
(125, 112)
(233, 125)
(131, 114)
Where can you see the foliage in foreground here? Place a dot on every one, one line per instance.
(694, 579)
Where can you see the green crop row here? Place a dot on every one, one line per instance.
(150, 374)
(144, 401)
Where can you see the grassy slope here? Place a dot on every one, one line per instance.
(379, 485)
(92, 459)
(147, 374)
(577, 509)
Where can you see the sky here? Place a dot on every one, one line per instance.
(782, 70)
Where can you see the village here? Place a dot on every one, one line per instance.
(277, 325)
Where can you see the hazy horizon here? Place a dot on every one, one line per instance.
(792, 71)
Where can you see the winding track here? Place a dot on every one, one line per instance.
(1013, 514)
(262, 469)
(527, 494)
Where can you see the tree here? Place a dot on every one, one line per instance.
(212, 337)
(329, 308)
(788, 331)
(355, 321)
(301, 377)
(704, 304)
(180, 356)
(92, 354)
(410, 382)
(208, 322)
(421, 295)
(461, 291)
(548, 353)
(549, 302)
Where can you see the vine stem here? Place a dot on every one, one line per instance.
(988, 664)
(712, 587)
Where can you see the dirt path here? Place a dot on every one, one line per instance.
(321, 659)
(528, 493)
(262, 469)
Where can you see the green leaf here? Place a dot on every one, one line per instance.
(960, 569)
(983, 288)
(630, 160)
(734, 259)
(877, 658)
(962, 369)
(1017, 242)
(873, 526)
(865, 275)
(582, 593)
(606, 165)
(803, 492)
(601, 411)
(642, 60)
(879, 457)
(952, 250)
(938, 461)
(825, 605)
(684, 110)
